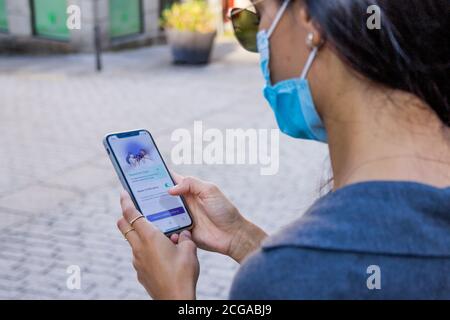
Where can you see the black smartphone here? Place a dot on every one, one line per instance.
(144, 174)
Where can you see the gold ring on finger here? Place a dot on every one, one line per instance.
(127, 232)
(136, 219)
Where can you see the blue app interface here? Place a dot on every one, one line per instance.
(149, 181)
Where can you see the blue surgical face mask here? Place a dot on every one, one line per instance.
(291, 100)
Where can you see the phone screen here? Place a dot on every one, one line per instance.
(148, 179)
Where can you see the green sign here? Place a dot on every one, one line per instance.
(50, 18)
(3, 16)
(124, 17)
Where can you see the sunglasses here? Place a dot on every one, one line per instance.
(245, 25)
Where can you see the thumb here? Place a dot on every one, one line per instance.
(185, 241)
(185, 235)
(187, 185)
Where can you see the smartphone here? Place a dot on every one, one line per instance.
(144, 174)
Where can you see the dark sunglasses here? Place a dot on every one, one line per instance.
(245, 25)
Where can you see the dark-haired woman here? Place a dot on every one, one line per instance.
(380, 98)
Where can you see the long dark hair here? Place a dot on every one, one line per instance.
(411, 51)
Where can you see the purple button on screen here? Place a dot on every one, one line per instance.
(165, 214)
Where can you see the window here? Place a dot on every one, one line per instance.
(125, 17)
(50, 17)
(3, 16)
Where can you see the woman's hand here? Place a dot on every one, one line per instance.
(165, 269)
(218, 225)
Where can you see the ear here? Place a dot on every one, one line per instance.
(305, 21)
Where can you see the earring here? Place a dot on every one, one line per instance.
(311, 43)
(310, 40)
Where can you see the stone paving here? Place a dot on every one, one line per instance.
(59, 197)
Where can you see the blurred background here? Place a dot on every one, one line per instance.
(130, 64)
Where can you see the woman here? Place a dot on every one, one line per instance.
(380, 98)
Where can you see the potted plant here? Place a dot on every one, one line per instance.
(190, 31)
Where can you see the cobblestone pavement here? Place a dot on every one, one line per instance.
(59, 194)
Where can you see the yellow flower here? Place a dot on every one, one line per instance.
(191, 15)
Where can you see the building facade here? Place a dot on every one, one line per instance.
(43, 23)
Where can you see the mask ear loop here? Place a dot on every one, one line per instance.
(311, 57)
(278, 17)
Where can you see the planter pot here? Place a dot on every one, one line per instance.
(190, 47)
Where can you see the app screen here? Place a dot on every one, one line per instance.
(149, 180)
